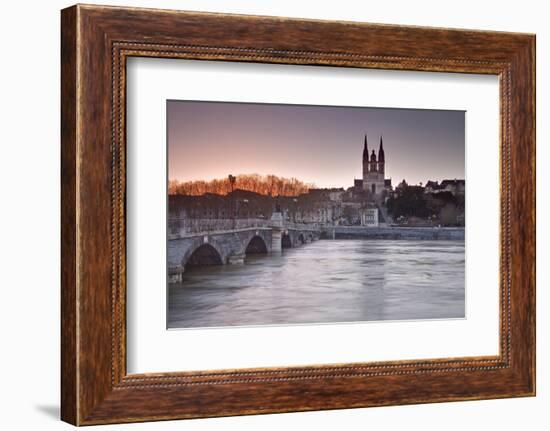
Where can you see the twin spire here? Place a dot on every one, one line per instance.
(381, 157)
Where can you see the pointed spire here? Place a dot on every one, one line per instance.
(381, 151)
(366, 150)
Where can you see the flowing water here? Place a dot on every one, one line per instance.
(326, 281)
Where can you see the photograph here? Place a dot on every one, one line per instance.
(282, 214)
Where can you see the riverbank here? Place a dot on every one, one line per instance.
(403, 233)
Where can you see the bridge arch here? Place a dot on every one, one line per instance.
(204, 254)
(256, 245)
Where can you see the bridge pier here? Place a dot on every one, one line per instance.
(276, 224)
(276, 240)
(236, 259)
(175, 274)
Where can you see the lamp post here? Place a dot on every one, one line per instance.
(232, 180)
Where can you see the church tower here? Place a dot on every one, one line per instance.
(373, 165)
(381, 159)
(365, 160)
(373, 171)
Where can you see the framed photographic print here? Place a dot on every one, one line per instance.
(268, 215)
(244, 249)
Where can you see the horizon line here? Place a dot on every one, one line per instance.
(307, 182)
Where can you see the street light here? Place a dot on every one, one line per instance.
(232, 180)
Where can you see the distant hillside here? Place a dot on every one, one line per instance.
(269, 185)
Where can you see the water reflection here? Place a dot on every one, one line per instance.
(323, 282)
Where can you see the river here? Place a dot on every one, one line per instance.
(326, 281)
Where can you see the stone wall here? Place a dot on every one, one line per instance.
(413, 233)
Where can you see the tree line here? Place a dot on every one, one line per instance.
(270, 185)
(411, 202)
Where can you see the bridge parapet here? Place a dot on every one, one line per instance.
(184, 227)
(179, 227)
(313, 227)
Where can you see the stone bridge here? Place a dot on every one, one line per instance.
(229, 243)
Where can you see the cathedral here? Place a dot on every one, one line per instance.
(374, 170)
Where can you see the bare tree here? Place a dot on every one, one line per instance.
(270, 185)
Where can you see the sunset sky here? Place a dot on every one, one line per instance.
(315, 144)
